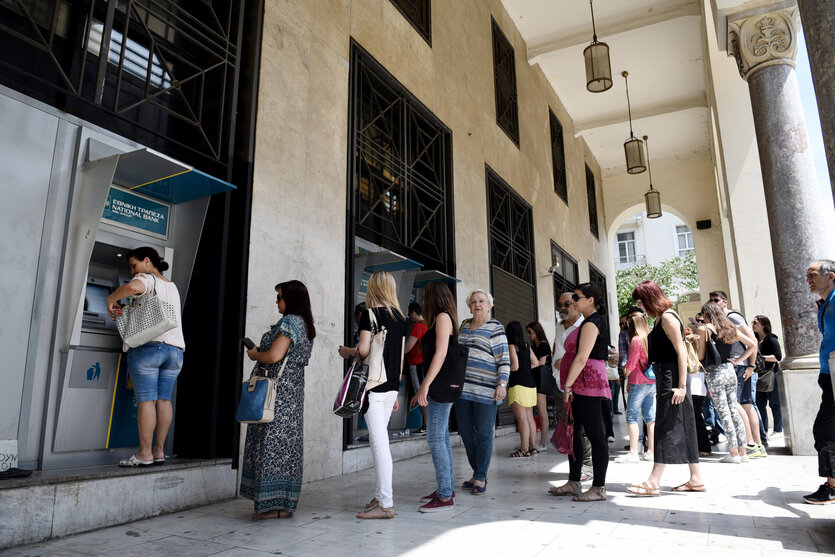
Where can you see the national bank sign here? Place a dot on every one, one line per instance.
(135, 211)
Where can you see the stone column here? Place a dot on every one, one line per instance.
(818, 20)
(799, 219)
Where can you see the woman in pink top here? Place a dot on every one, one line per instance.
(583, 376)
(641, 388)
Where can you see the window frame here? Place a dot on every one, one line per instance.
(503, 51)
(591, 194)
(558, 160)
(420, 17)
(626, 242)
(688, 234)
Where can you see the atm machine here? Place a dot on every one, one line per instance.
(126, 197)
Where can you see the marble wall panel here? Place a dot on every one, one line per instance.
(25, 515)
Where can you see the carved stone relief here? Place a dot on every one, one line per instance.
(763, 40)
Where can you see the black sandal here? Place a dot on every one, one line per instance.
(519, 453)
(533, 452)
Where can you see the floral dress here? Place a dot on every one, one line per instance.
(274, 452)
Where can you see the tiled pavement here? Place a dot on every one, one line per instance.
(749, 510)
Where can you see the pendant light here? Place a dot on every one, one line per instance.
(652, 198)
(598, 68)
(632, 147)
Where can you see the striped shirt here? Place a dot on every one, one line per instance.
(488, 361)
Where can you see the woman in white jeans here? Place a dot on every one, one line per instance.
(381, 299)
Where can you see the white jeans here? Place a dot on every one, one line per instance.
(377, 418)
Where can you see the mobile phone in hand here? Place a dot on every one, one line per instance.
(247, 343)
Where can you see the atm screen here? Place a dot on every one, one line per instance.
(95, 299)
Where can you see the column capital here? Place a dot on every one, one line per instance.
(762, 40)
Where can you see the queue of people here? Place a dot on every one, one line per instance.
(739, 364)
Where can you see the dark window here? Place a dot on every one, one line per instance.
(511, 229)
(401, 174)
(419, 14)
(565, 272)
(592, 194)
(164, 73)
(599, 280)
(558, 157)
(504, 79)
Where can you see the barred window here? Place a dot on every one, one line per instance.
(592, 195)
(565, 272)
(511, 229)
(504, 79)
(558, 157)
(418, 13)
(597, 278)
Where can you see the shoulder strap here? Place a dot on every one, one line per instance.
(739, 314)
(373, 318)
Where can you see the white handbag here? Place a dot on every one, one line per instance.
(145, 318)
(374, 360)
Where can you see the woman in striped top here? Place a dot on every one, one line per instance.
(485, 386)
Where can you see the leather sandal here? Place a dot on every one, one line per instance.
(643, 490)
(593, 494)
(377, 512)
(568, 488)
(371, 504)
(688, 486)
(519, 454)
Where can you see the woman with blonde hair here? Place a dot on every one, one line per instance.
(381, 299)
(640, 388)
(719, 332)
(485, 386)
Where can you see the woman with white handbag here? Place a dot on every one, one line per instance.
(383, 330)
(153, 338)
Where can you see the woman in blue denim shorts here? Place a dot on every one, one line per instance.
(153, 367)
(641, 389)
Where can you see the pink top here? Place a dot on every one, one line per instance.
(637, 363)
(592, 380)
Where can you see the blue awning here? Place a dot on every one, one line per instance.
(156, 175)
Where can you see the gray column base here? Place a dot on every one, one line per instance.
(800, 400)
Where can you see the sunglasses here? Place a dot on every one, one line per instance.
(566, 304)
(716, 300)
(577, 298)
(278, 298)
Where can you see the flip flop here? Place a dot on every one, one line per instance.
(133, 462)
(687, 486)
(643, 490)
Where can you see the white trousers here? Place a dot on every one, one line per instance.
(377, 418)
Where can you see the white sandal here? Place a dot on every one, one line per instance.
(133, 462)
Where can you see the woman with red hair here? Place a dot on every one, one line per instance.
(675, 424)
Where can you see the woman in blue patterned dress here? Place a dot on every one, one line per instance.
(274, 452)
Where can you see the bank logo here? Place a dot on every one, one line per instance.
(94, 372)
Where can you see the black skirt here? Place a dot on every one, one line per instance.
(676, 440)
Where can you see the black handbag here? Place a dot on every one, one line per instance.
(712, 357)
(449, 383)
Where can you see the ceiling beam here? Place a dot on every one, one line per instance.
(559, 41)
(699, 100)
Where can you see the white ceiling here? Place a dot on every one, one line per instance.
(659, 42)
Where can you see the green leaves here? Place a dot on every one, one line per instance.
(674, 276)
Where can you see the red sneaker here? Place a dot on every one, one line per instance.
(432, 496)
(436, 505)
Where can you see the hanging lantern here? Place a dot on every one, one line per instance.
(633, 148)
(652, 198)
(598, 68)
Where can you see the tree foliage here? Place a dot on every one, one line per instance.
(674, 276)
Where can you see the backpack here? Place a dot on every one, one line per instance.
(691, 342)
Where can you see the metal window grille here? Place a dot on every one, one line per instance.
(163, 72)
(504, 80)
(511, 229)
(592, 198)
(558, 157)
(419, 14)
(401, 172)
(566, 272)
(597, 278)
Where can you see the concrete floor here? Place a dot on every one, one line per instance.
(750, 509)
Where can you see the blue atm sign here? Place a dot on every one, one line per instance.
(134, 211)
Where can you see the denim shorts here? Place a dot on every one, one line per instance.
(641, 400)
(153, 369)
(746, 389)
